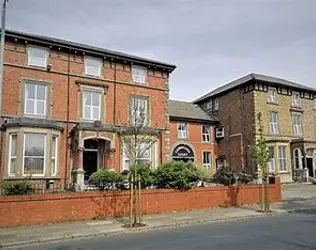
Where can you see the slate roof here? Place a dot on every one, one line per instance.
(253, 76)
(88, 48)
(188, 111)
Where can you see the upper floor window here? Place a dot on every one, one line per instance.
(139, 74)
(282, 158)
(91, 105)
(92, 66)
(35, 99)
(297, 124)
(139, 110)
(34, 154)
(207, 160)
(206, 137)
(274, 127)
(216, 104)
(209, 105)
(272, 95)
(37, 56)
(296, 99)
(182, 130)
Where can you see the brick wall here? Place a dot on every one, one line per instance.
(48, 208)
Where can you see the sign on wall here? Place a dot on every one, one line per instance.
(183, 152)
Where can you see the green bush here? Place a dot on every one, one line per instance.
(147, 177)
(225, 176)
(244, 177)
(178, 175)
(17, 187)
(105, 179)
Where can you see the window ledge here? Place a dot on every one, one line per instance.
(206, 142)
(284, 172)
(273, 103)
(31, 178)
(297, 109)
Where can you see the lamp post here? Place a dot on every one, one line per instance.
(3, 14)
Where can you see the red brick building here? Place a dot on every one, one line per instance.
(64, 104)
(192, 134)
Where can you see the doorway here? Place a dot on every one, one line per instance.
(309, 162)
(90, 163)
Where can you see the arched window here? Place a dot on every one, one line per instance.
(297, 155)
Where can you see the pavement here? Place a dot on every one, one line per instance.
(296, 198)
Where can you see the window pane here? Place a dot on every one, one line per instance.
(33, 165)
(13, 148)
(41, 92)
(13, 166)
(87, 98)
(40, 108)
(96, 99)
(96, 113)
(37, 56)
(34, 145)
(87, 113)
(30, 91)
(53, 166)
(29, 107)
(54, 147)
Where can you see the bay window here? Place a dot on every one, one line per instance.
(283, 158)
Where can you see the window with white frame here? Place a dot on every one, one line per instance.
(206, 137)
(139, 74)
(143, 153)
(298, 158)
(34, 154)
(296, 99)
(35, 99)
(282, 158)
(37, 56)
(139, 110)
(274, 127)
(209, 105)
(297, 124)
(92, 66)
(272, 95)
(182, 130)
(91, 105)
(12, 154)
(207, 160)
(216, 104)
(54, 155)
(272, 159)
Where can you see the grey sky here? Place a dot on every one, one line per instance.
(211, 41)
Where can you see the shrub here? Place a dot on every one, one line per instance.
(178, 175)
(17, 187)
(105, 179)
(244, 177)
(225, 176)
(147, 177)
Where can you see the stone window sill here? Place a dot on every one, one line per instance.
(273, 103)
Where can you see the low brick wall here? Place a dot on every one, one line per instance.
(47, 208)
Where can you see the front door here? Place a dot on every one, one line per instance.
(90, 163)
(309, 162)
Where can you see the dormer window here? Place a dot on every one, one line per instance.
(37, 56)
(216, 104)
(296, 99)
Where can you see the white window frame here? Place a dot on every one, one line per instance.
(207, 165)
(137, 79)
(135, 111)
(272, 95)
(10, 156)
(299, 157)
(30, 60)
(23, 160)
(297, 128)
(95, 60)
(272, 162)
(274, 126)
(206, 136)
(35, 100)
(282, 158)
(125, 157)
(296, 102)
(55, 158)
(209, 105)
(183, 132)
(90, 106)
(216, 104)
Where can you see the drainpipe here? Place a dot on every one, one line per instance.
(114, 101)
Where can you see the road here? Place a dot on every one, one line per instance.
(291, 231)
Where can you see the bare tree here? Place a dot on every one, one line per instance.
(137, 140)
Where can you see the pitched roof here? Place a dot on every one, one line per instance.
(188, 111)
(252, 76)
(88, 48)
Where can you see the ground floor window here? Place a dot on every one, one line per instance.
(298, 158)
(207, 160)
(283, 158)
(272, 159)
(221, 162)
(32, 153)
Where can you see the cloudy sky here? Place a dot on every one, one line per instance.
(211, 41)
